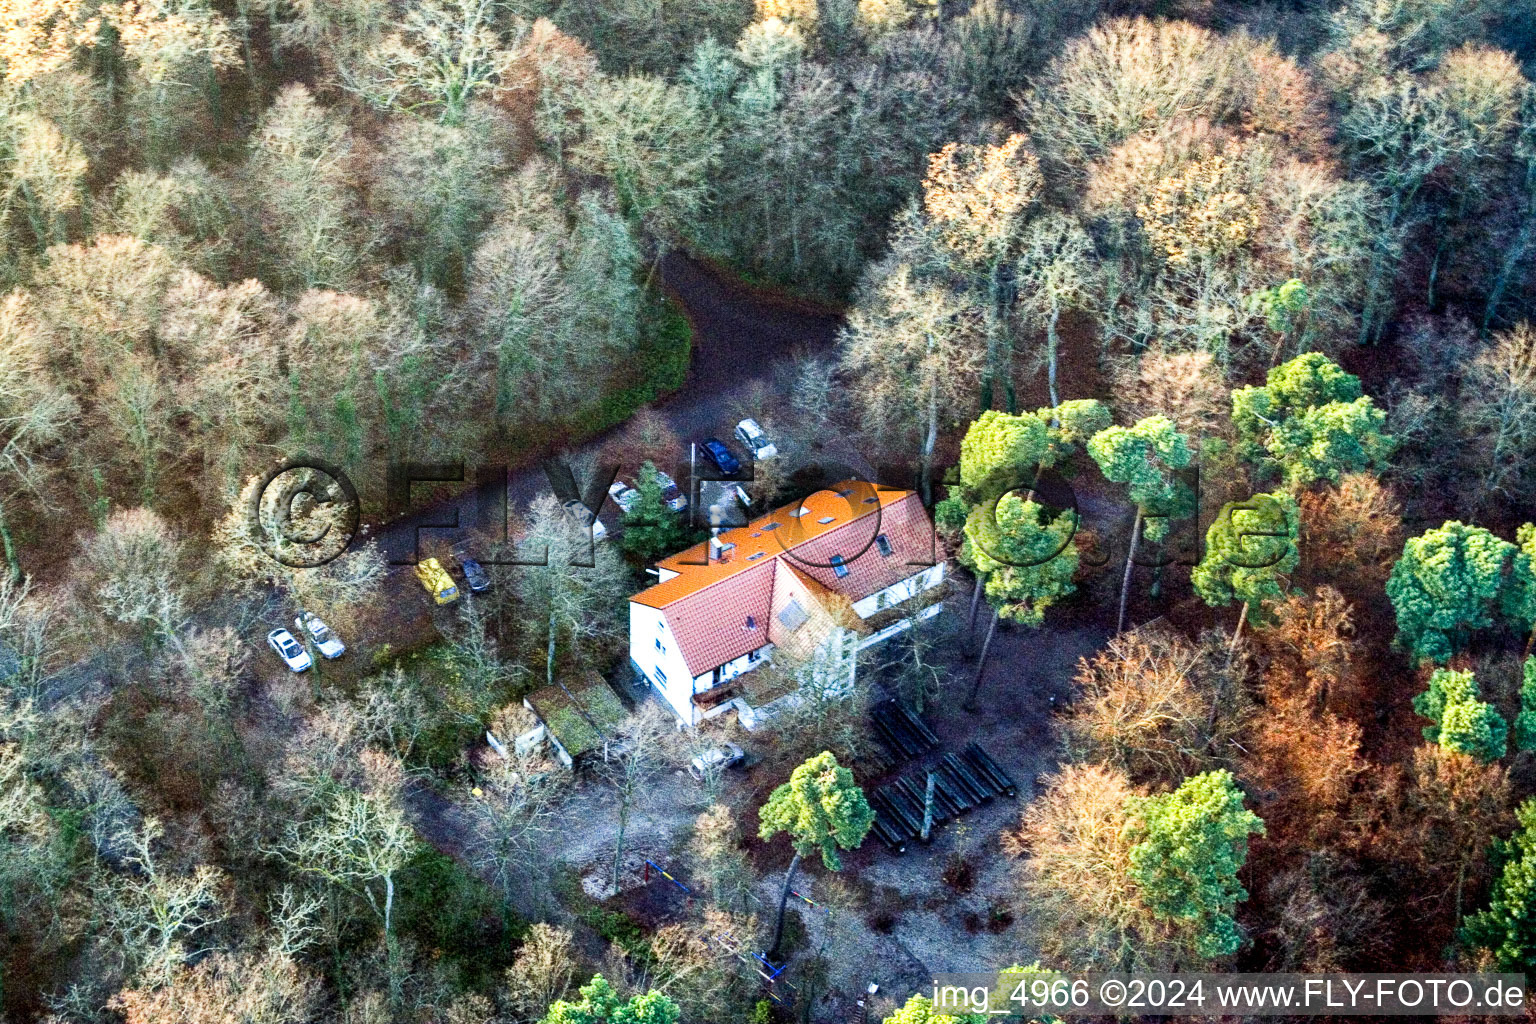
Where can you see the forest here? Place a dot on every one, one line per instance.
(1204, 328)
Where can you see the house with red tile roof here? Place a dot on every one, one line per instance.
(846, 568)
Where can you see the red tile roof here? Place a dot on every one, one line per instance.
(707, 604)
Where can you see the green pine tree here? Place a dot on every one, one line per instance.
(1507, 929)
(1448, 582)
(1249, 549)
(823, 810)
(1459, 720)
(600, 1004)
(1189, 847)
(651, 530)
(1311, 421)
(1146, 458)
(1525, 722)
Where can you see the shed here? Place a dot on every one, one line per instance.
(579, 717)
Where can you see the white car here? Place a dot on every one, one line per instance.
(623, 495)
(585, 519)
(290, 650)
(326, 642)
(755, 441)
(671, 495)
(716, 758)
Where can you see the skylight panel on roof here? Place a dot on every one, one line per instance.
(827, 519)
(793, 616)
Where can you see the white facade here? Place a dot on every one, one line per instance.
(653, 649)
(896, 593)
(655, 653)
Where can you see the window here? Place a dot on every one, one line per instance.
(838, 566)
(824, 520)
(661, 677)
(871, 500)
(756, 655)
(845, 492)
(751, 622)
(883, 600)
(884, 544)
(770, 526)
(660, 648)
(756, 555)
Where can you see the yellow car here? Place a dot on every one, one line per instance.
(437, 581)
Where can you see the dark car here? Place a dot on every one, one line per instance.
(716, 452)
(475, 575)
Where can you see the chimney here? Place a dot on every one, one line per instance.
(720, 550)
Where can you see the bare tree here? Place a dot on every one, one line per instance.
(156, 913)
(911, 346)
(358, 840)
(643, 747)
(512, 810)
(34, 413)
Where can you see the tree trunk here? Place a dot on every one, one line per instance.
(1051, 342)
(778, 929)
(618, 849)
(1242, 620)
(1512, 259)
(981, 664)
(931, 437)
(928, 808)
(12, 561)
(970, 622)
(1125, 580)
(549, 654)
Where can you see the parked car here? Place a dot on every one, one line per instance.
(475, 575)
(716, 452)
(671, 495)
(326, 642)
(623, 495)
(437, 581)
(716, 758)
(290, 650)
(585, 519)
(755, 441)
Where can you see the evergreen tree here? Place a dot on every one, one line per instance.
(823, 810)
(1525, 722)
(1449, 582)
(1460, 721)
(1246, 559)
(600, 1004)
(1145, 457)
(1507, 929)
(651, 530)
(1312, 421)
(1189, 847)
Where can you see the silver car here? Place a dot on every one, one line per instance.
(671, 495)
(716, 759)
(326, 642)
(623, 495)
(290, 650)
(585, 519)
(755, 441)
